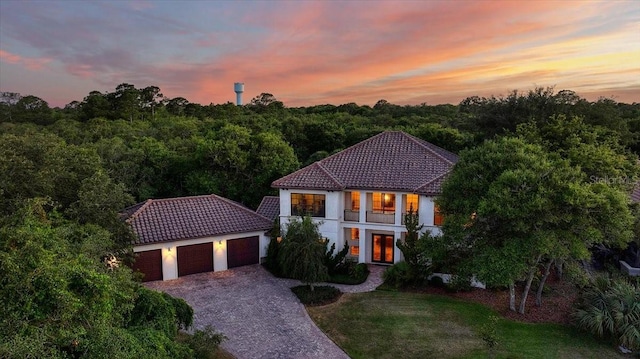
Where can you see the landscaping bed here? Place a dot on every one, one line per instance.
(557, 301)
(320, 295)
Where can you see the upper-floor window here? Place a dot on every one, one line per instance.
(355, 201)
(384, 202)
(307, 204)
(412, 203)
(438, 218)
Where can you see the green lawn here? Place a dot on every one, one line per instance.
(384, 324)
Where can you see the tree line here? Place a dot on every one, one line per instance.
(82, 164)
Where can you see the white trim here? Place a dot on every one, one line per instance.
(219, 243)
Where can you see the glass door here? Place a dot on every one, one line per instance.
(382, 248)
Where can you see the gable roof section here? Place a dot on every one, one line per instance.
(163, 220)
(269, 207)
(314, 176)
(392, 160)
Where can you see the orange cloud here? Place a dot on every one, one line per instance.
(29, 63)
(455, 47)
(316, 52)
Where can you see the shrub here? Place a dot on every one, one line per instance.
(205, 343)
(320, 295)
(183, 311)
(350, 273)
(460, 283)
(398, 275)
(335, 263)
(271, 261)
(152, 309)
(413, 249)
(610, 308)
(360, 271)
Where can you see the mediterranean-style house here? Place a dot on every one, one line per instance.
(361, 194)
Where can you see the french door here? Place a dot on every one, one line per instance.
(382, 248)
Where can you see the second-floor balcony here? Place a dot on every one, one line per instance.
(381, 217)
(351, 215)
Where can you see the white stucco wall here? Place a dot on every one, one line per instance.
(219, 243)
(329, 226)
(334, 227)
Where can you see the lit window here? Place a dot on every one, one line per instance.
(412, 203)
(384, 202)
(355, 234)
(355, 201)
(354, 250)
(307, 204)
(438, 218)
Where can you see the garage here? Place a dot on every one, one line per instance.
(243, 251)
(197, 258)
(188, 235)
(149, 263)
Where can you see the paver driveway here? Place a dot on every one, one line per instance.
(257, 312)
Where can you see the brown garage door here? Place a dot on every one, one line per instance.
(193, 259)
(149, 263)
(243, 251)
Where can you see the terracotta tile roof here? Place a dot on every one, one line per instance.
(269, 207)
(162, 220)
(392, 160)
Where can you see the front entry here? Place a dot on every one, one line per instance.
(382, 248)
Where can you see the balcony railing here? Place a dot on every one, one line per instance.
(378, 217)
(351, 215)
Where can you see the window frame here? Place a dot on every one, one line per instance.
(311, 204)
(408, 203)
(382, 202)
(438, 218)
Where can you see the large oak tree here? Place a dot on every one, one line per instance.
(509, 204)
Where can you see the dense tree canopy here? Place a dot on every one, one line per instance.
(560, 185)
(65, 294)
(510, 204)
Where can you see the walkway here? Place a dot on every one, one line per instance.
(258, 312)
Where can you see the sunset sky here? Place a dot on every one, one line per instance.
(318, 52)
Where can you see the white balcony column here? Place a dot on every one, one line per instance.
(398, 212)
(363, 208)
(397, 235)
(362, 243)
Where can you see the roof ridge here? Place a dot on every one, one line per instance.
(135, 214)
(236, 204)
(171, 199)
(328, 173)
(329, 157)
(354, 146)
(421, 144)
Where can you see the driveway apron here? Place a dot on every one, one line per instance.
(257, 312)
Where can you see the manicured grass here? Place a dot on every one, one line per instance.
(385, 324)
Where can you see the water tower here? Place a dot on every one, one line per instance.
(238, 87)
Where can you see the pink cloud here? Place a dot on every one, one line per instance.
(33, 64)
(337, 52)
